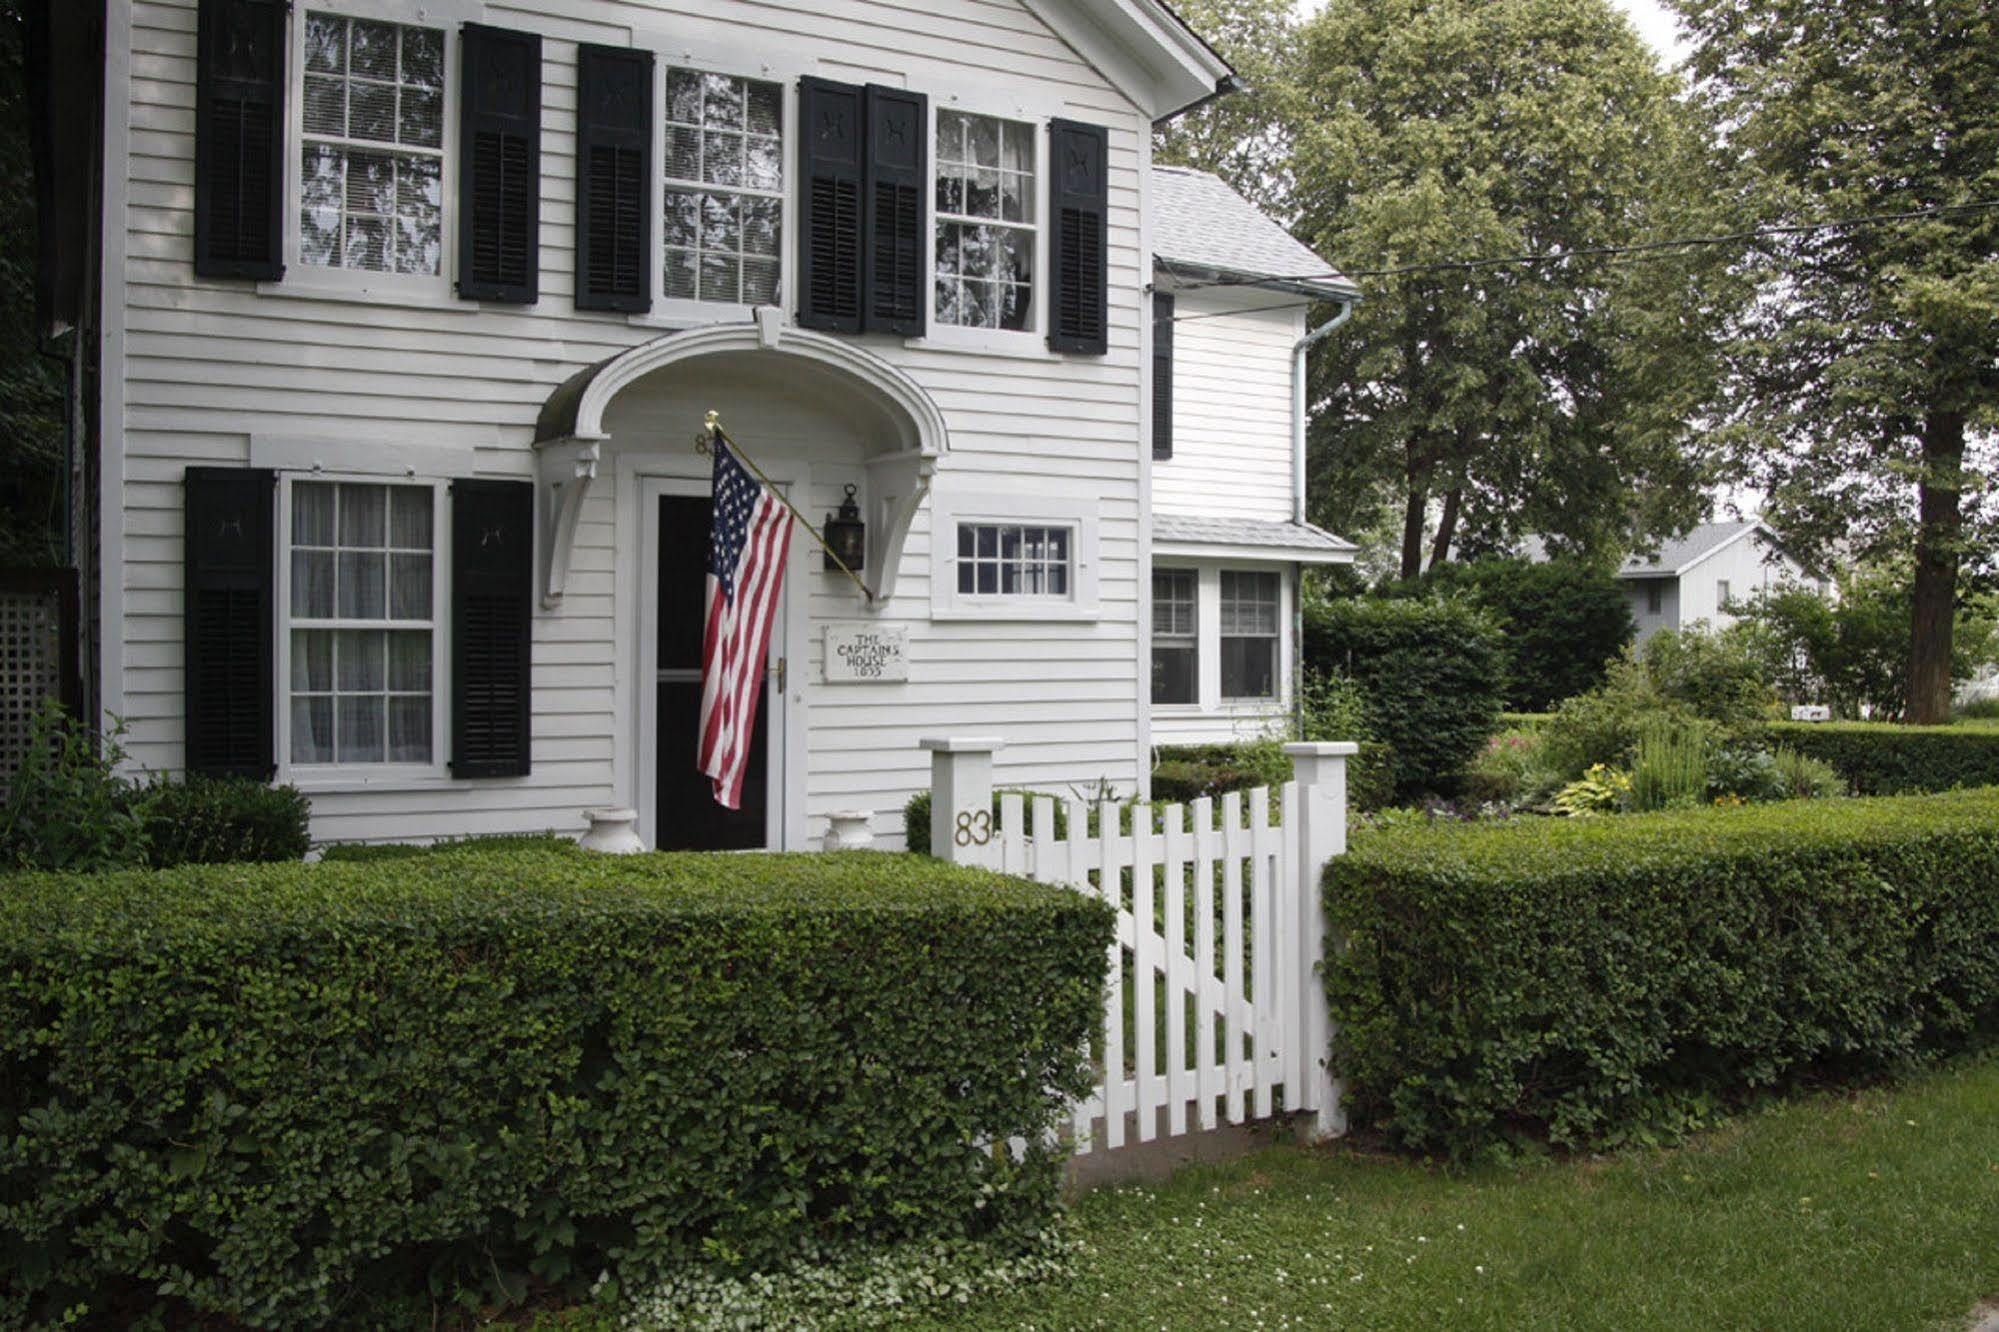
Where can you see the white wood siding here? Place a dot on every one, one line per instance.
(1232, 400)
(211, 367)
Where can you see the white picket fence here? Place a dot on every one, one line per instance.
(1213, 1010)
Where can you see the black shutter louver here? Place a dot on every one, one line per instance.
(229, 621)
(1078, 207)
(499, 175)
(614, 178)
(830, 218)
(492, 618)
(1162, 375)
(897, 229)
(239, 139)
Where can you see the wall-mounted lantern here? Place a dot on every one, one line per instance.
(846, 536)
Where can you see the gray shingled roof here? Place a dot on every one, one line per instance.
(1199, 222)
(1674, 554)
(1176, 529)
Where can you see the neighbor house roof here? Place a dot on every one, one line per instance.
(1248, 538)
(1675, 555)
(1201, 228)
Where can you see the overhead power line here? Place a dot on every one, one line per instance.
(1599, 251)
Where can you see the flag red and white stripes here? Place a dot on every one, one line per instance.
(746, 554)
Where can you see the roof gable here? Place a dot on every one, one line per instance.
(1142, 47)
(1202, 228)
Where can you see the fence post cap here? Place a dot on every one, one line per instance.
(1323, 749)
(980, 744)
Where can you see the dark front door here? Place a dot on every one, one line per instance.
(687, 817)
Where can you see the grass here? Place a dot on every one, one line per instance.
(1868, 1210)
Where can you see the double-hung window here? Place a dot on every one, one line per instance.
(362, 624)
(1014, 560)
(1250, 611)
(985, 221)
(724, 188)
(371, 179)
(1176, 653)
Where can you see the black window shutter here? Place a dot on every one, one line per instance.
(1162, 374)
(897, 221)
(1078, 208)
(830, 173)
(613, 178)
(499, 175)
(492, 617)
(239, 139)
(230, 630)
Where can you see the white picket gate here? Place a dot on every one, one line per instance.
(1214, 1011)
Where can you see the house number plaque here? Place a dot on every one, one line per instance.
(866, 654)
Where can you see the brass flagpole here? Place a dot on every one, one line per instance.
(712, 429)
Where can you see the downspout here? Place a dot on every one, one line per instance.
(1298, 355)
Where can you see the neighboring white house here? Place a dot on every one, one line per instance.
(397, 319)
(1694, 578)
(1229, 536)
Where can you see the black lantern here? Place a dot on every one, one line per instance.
(846, 536)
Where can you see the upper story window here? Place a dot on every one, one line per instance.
(985, 222)
(1250, 611)
(1013, 560)
(724, 188)
(371, 180)
(362, 623)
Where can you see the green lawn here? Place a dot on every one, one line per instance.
(1878, 1210)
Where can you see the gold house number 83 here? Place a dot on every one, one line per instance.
(975, 827)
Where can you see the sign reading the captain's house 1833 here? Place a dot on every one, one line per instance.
(866, 653)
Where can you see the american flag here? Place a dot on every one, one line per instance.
(746, 553)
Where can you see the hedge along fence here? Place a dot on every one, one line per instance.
(308, 1095)
(1591, 981)
(1881, 759)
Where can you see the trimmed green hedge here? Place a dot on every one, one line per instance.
(1880, 759)
(321, 1095)
(1590, 981)
(1188, 772)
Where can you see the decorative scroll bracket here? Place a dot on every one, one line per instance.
(897, 483)
(567, 469)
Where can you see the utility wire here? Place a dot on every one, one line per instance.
(1643, 248)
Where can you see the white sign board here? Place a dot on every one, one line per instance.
(866, 653)
(1811, 712)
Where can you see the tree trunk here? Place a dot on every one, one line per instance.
(1447, 526)
(1412, 527)
(1938, 532)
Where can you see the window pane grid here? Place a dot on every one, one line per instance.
(1013, 560)
(372, 164)
(725, 188)
(1249, 625)
(1173, 603)
(985, 221)
(1175, 646)
(362, 628)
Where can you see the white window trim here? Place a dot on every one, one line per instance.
(326, 778)
(1030, 343)
(302, 279)
(1039, 508)
(1208, 621)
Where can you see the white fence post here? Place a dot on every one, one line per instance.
(1321, 773)
(961, 800)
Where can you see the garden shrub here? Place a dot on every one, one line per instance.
(1431, 672)
(1188, 772)
(1978, 709)
(1511, 770)
(1880, 759)
(210, 820)
(1592, 981)
(67, 807)
(319, 1095)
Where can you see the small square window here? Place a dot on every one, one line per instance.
(1013, 560)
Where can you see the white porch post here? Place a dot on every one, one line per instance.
(961, 800)
(1321, 772)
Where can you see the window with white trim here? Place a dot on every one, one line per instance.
(1176, 674)
(371, 177)
(1014, 560)
(1721, 594)
(724, 188)
(1250, 613)
(362, 625)
(985, 221)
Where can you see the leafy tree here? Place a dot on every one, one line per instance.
(1245, 136)
(31, 392)
(1549, 396)
(1865, 390)
(1853, 650)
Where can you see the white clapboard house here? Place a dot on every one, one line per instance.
(395, 322)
